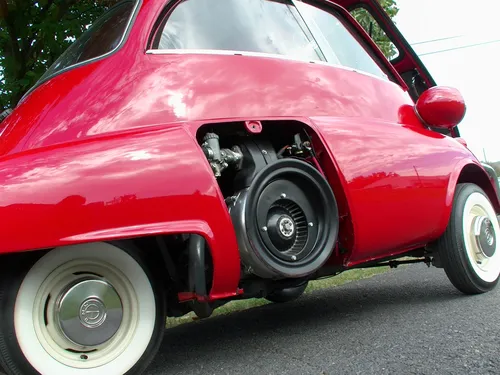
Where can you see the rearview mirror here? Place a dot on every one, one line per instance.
(441, 107)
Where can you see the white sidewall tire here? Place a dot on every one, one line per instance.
(457, 250)
(24, 307)
(493, 267)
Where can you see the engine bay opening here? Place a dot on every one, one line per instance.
(235, 146)
(284, 212)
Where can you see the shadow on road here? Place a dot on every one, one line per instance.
(233, 335)
(326, 323)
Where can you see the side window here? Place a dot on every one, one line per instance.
(341, 42)
(102, 37)
(250, 25)
(373, 28)
(294, 29)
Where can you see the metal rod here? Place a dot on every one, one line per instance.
(395, 263)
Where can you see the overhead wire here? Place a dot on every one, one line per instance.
(459, 47)
(436, 40)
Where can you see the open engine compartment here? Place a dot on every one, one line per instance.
(284, 212)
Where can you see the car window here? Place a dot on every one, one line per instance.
(264, 26)
(251, 25)
(376, 32)
(341, 42)
(102, 37)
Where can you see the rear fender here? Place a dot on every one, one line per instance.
(149, 182)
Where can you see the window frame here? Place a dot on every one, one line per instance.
(123, 40)
(337, 11)
(383, 27)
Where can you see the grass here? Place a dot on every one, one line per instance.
(234, 306)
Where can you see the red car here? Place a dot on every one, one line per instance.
(183, 154)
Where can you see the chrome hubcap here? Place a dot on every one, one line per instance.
(481, 237)
(484, 237)
(89, 312)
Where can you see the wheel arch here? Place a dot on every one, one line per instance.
(469, 171)
(474, 173)
(127, 185)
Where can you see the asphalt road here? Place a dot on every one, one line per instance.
(408, 321)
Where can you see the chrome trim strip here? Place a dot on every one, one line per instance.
(225, 52)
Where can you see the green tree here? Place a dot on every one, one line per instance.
(371, 26)
(33, 33)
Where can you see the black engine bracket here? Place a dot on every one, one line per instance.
(257, 154)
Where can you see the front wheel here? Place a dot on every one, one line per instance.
(86, 309)
(469, 249)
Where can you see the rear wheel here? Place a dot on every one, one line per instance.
(86, 309)
(287, 294)
(469, 249)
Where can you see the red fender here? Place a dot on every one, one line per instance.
(148, 182)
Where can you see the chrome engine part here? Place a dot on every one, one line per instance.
(219, 158)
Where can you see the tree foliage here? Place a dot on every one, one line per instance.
(371, 26)
(34, 33)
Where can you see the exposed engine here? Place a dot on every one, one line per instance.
(283, 210)
(219, 158)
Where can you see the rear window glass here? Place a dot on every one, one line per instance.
(250, 25)
(102, 37)
(340, 42)
(265, 26)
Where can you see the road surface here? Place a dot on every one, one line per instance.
(408, 321)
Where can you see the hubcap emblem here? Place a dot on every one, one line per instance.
(287, 227)
(489, 234)
(485, 237)
(92, 313)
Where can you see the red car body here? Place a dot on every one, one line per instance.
(110, 150)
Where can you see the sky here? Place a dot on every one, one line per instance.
(474, 71)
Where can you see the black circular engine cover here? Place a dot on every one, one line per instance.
(287, 221)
